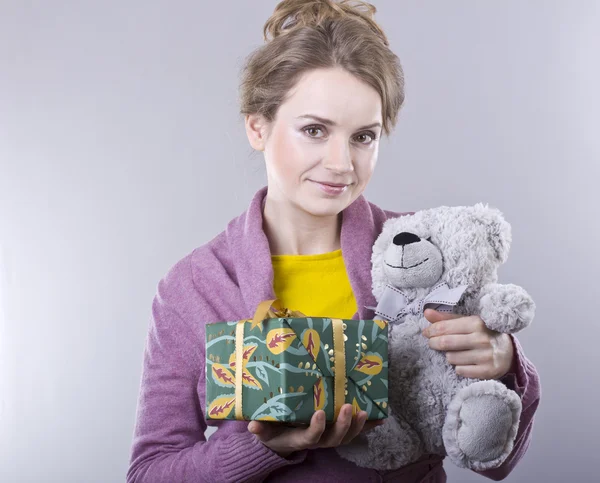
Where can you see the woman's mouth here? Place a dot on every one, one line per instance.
(331, 189)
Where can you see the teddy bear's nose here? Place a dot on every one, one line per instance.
(405, 238)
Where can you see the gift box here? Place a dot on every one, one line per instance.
(283, 366)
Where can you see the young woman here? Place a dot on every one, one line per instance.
(316, 99)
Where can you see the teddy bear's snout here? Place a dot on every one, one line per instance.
(405, 238)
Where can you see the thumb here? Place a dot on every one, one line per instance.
(434, 316)
(264, 431)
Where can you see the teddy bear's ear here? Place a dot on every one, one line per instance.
(498, 230)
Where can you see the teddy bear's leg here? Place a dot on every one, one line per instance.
(387, 447)
(481, 425)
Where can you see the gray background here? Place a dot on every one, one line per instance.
(121, 150)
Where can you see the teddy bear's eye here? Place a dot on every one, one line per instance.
(428, 239)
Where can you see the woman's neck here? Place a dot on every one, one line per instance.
(292, 231)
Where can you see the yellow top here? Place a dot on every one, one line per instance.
(316, 285)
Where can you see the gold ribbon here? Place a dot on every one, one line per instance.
(272, 309)
(239, 367)
(339, 367)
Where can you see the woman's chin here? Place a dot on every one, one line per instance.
(322, 207)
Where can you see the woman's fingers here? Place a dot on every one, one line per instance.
(265, 431)
(285, 439)
(356, 427)
(458, 342)
(469, 357)
(310, 437)
(336, 433)
(361, 425)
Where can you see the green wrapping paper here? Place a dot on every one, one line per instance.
(288, 368)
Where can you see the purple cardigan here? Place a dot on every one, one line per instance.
(225, 279)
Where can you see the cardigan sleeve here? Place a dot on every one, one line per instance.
(169, 442)
(525, 382)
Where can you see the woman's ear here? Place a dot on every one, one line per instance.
(256, 130)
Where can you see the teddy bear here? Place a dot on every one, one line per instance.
(445, 258)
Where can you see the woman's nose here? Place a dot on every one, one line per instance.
(338, 158)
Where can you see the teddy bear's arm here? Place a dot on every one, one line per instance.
(506, 308)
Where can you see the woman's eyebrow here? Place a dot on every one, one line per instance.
(332, 123)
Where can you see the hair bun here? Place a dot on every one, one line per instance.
(291, 14)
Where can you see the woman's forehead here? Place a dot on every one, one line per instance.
(335, 95)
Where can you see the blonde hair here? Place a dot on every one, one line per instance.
(312, 34)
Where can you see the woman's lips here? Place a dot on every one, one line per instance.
(335, 185)
(331, 189)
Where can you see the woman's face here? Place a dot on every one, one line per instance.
(326, 131)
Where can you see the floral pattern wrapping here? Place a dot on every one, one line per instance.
(288, 369)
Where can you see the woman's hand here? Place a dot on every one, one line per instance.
(284, 440)
(475, 350)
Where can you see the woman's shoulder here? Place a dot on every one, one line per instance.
(193, 277)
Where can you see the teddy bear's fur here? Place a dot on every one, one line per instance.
(431, 408)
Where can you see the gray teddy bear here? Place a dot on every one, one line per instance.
(445, 258)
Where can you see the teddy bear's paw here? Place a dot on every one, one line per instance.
(481, 425)
(506, 308)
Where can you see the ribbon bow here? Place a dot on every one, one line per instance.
(272, 309)
(394, 305)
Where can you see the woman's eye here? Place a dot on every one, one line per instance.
(310, 129)
(369, 135)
